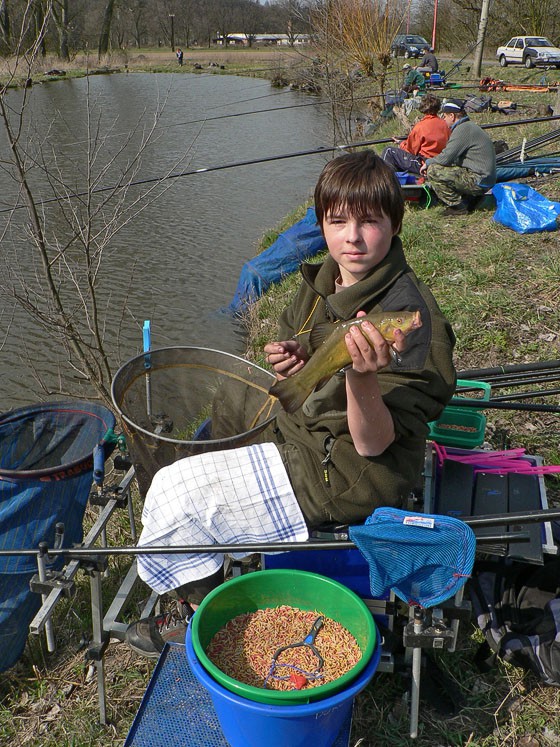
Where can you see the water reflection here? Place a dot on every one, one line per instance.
(178, 261)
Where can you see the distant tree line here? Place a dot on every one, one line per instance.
(101, 26)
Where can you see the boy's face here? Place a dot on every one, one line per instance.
(357, 244)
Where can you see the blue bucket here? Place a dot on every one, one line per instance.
(248, 723)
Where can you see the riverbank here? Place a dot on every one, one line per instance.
(259, 62)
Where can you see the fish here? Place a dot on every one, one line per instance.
(332, 355)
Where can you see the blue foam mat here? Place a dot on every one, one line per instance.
(176, 711)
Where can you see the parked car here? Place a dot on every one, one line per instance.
(409, 45)
(529, 51)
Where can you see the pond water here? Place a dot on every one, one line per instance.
(177, 262)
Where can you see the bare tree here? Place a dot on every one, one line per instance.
(62, 20)
(105, 34)
(58, 282)
(354, 41)
(5, 26)
(138, 14)
(294, 16)
(482, 26)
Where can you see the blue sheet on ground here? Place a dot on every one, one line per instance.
(518, 169)
(45, 478)
(299, 242)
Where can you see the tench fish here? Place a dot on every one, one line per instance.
(332, 355)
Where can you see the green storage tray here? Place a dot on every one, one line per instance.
(458, 427)
(462, 427)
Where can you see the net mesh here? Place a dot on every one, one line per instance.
(180, 401)
(424, 558)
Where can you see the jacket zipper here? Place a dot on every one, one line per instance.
(328, 446)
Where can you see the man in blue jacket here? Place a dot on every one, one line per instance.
(466, 167)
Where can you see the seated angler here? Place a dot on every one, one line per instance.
(413, 80)
(429, 61)
(466, 167)
(426, 139)
(358, 440)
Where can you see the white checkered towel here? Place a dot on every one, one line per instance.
(232, 496)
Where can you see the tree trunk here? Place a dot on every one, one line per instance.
(5, 29)
(39, 15)
(484, 11)
(62, 21)
(105, 35)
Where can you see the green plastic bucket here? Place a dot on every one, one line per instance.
(262, 589)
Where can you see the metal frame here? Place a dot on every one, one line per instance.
(435, 628)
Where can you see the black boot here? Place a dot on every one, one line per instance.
(461, 209)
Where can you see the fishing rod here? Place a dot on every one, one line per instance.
(254, 161)
(520, 379)
(75, 553)
(525, 395)
(492, 404)
(512, 153)
(471, 47)
(483, 373)
(528, 379)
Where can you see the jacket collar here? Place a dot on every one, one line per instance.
(458, 122)
(346, 303)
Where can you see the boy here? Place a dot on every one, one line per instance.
(356, 443)
(426, 139)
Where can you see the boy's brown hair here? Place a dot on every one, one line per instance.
(430, 104)
(361, 183)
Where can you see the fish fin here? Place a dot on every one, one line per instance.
(319, 333)
(290, 393)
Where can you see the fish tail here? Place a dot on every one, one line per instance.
(291, 393)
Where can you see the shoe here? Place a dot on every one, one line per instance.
(460, 209)
(149, 635)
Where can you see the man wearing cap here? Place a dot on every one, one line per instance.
(413, 80)
(466, 167)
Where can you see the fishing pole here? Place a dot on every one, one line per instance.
(492, 404)
(527, 379)
(254, 161)
(519, 379)
(481, 373)
(515, 517)
(525, 395)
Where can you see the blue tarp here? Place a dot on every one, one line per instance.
(304, 240)
(517, 170)
(299, 242)
(46, 473)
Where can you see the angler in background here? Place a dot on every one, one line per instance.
(426, 139)
(466, 167)
(413, 81)
(429, 62)
(356, 442)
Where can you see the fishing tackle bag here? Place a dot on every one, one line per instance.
(475, 103)
(517, 607)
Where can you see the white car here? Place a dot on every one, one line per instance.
(529, 51)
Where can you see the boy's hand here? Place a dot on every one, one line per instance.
(368, 349)
(286, 357)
